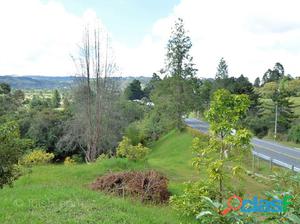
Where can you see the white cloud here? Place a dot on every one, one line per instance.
(251, 35)
(37, 38)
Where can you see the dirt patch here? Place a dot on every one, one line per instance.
(149, 186)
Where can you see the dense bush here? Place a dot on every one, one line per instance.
(126, 149)
(134, 133)
(147, 186)
(294, 134)
(10, 151)
(190, 202)
(37, 157)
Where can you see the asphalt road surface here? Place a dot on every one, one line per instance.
(281, 155)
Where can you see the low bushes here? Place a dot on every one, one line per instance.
(148, 186)
(69, 161)
(126, 149)
(37, 157)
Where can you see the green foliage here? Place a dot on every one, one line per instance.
(294, 134)
(45, 128)
(126, 149)
(179, 61)
(275, 74)
(56, 98)
(11, 149)
(39, 102)
(151, 85)
(134, 133)
(222, 70)
(285, 184)
(257, 82)
(4, 88)
(37, 157)
(134, 91)
(228, 140)
(190, 202)
(10, 102)
(69, 161)
(173, 97)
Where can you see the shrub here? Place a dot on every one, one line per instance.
(11, 148)
(294, 134)
(69, 161)
(190, 202)
(37, 157)
(126, 149)
(148, 186)
(133, 133)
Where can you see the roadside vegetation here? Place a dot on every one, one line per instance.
(101, 153)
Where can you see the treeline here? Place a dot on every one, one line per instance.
(90, 120)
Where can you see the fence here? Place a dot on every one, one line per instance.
(275, 161)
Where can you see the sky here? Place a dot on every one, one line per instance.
(37, 37)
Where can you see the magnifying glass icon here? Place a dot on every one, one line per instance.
(230, 207)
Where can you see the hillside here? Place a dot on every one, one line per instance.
(61, 194)
(58, 82)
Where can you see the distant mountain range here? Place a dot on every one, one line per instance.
(56, 82)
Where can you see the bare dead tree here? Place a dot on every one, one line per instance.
(94, 97)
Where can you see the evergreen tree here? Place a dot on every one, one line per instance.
(56, 99)
(257, 82)
(179, 61)
(281, 111)
(134, 90)
(174, 96)
(222, 70)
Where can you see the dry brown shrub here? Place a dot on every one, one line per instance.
(149, 186)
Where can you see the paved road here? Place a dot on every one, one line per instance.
(281, 155)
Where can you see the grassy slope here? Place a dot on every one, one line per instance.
(60, 194)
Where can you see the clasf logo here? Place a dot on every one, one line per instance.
(256, 205)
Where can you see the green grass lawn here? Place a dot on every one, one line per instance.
(60, 194)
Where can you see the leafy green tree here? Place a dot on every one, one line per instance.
(46, 128)
(228, 139)
(134, 90)
(151, 85)
(56, 99)
(4, 88)
(174, 95)
(275, 74)
(179, 62)
(10, 102)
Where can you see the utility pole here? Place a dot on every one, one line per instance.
(276, 119)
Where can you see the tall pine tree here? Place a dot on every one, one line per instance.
(174, 96)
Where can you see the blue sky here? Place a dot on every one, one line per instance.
(127, 20)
